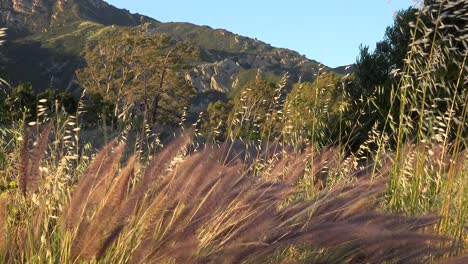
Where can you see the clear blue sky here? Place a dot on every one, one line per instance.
(329, 31)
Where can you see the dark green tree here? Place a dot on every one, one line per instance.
(215, 120)
(58, 101)
(416, 73)
(372, 92)
(373, 69)
(21, 102)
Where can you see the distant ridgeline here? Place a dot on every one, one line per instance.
(48, 37)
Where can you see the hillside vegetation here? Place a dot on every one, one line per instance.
(138, 161)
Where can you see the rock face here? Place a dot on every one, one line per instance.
(222, 75)
(33, 14)
(217, 76)
(38, 15)
(233, 58)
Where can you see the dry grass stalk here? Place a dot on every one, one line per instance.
(459, 260)
(75, 209)
(34, 175)
(24, 163)
(93, 238)
(202, 211)
(30, 176)
(3, 225)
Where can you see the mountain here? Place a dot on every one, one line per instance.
(232, 59)
(347, 69)
(40, 15)
(47, 38)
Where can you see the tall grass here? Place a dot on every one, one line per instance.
(193, 208)
(431, 175)
(284, 199)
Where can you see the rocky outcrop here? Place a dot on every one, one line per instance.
(222, 76)
(31, 7)
(26, 14)
(250, 54)
(38, 15)
(217, 76)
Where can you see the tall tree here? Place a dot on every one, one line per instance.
(135, 67)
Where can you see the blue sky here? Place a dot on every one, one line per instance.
(329, 31)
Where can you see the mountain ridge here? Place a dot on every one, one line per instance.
(39, 15)
(63, 27)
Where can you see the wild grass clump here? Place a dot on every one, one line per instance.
(430, 120)
(196, 208)
(283, 196)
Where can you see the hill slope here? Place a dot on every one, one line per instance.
(48, 37)
(40, 15)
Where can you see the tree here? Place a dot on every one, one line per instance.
(159, 81)
(57, 101)
(134, 67)
(417, 72)
(373, 90)
(373, 69)
(215, 120)
(21, 101)
(171, 100)
(108, 71)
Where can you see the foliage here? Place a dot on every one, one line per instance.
(57, 100)
(22, 103)
(373, 89)
(96, 110)
(297, 196)
(138, 72)
(373, 68)
(422, 50)
(252, 110)
(433, 103)
(315, 110)
(215, 123)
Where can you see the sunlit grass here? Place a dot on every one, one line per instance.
(272, 192)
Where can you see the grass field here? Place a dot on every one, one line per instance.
(402, 197)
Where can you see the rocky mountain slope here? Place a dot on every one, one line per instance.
(49, 36)
(40, 15)
(232, 59)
